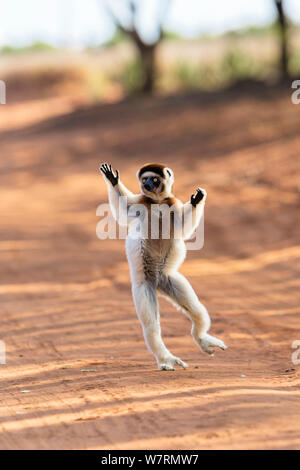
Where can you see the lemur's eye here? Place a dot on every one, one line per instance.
(155, 180)
(144, 180)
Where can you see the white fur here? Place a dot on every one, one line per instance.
(154, 270)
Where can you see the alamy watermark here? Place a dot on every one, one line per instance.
(296, 94)
(296, 354)
(2, 353)
(2, 92)
(161, 221)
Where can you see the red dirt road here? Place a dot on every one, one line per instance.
(78, 374)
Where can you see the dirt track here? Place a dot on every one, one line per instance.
(72, 336)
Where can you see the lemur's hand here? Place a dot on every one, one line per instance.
(109, 174)
(200, 195)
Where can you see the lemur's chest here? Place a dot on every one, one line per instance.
(159, 256)
(157, 222)
(155, 255)
(155, 250)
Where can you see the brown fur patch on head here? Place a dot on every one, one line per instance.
(154, 167)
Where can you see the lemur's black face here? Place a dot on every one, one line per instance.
(151, 183)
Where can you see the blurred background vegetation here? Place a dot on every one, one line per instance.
(127, 64)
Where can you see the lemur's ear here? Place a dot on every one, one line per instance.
(169, 173)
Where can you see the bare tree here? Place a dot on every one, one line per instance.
(283, 26)
(147, 51)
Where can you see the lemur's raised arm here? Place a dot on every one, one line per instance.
(120, 198)
(193, 211)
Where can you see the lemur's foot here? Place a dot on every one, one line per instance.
(208, 342)
(169, 363)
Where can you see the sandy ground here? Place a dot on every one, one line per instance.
(78, 374)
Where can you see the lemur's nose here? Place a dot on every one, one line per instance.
(148, 185)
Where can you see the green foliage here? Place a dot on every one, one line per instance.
(235, 65)
(256, 31)
(172, 36)
(130, 77)
(187, 75)
(38, 46)
(233, 58)
(294, 63)
(118, 38)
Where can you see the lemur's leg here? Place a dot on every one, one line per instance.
(146, 304)
(178, 290)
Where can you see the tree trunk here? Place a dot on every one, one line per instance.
(147, 55)
(284, 55)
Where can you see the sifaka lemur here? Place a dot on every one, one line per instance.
(154, 260)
